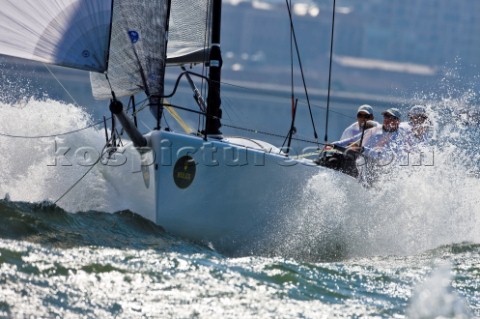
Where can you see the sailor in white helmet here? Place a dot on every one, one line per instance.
(385, 137)
(418, 127)
(382, 146)
(364, 114)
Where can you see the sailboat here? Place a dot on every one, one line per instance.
(232, 193)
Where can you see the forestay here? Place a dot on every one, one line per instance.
(70, 33)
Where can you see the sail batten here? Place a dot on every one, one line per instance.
(69, 33)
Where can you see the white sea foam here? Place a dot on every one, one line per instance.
(436, 298)
(415, 207)
(38, 169)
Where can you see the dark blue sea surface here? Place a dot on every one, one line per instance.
(56, 264)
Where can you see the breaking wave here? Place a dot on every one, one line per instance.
(426, 203)
(421, 207)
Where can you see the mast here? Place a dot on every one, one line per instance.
(214, 112)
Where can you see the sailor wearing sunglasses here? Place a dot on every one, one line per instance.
(364, 114)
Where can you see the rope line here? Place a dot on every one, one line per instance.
(300, 101)
(271, 134)
(60, 83)
(104, 151)
(172, 106)
(53, 135)
(70, 132)
(245, 128)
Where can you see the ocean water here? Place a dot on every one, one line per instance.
(56, 264)
(410, 248)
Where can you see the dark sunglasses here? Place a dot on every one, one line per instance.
(390, 117)
(365, 116)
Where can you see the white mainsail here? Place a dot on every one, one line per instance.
(70, 33)
(123, 39)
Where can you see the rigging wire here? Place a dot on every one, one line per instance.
(53, 135)
(293, 130)
(256, 89)
(330, 72)
(145, 105)
(60, 83)
(250, 130)
(292, 88)
(68, 132)
(206, 45)
(313, 104)
(103, 152)
(301, 68)
(292, 95)
(244, 128)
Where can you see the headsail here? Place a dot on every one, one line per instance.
(138, 44)
(137, 50)
(70, 33)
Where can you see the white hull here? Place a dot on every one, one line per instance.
(236, 195)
